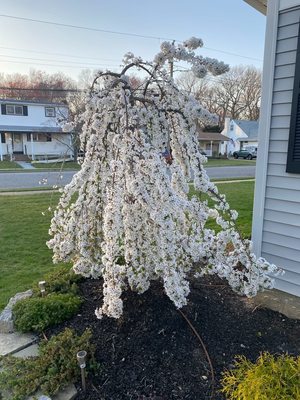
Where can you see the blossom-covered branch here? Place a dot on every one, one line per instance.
(127, 215)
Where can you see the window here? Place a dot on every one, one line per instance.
(231, 127)
(50, 111)
(293, 156)
(39, 137)
(14, 109)
(2, 137)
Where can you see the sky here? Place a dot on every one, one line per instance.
(225, 26)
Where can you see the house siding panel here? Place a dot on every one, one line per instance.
(280, 134)
(293, 254)
(288, 31)
(277, 170)
(279, 205)
(278, 146)
(281, 109)
(289, 17)
(285, 58)
(283, 97)
(280, 122)
(276, 227)
(280, 240)
(283, 84)
(277, 158)
(292, 288)
(283, 194)
(281, 220)
(287, 45)
(285, 219)
(284, 182)
(281, 226)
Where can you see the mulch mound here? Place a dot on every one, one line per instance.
(152, 352)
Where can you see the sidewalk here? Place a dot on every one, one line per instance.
(24, 164)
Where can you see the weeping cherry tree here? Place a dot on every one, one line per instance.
(127, 216)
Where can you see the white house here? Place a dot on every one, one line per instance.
(212, 143)
(30, 129)
(276, 216)
(241, 134)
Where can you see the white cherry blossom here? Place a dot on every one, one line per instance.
(126, 215)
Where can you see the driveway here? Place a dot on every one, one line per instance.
(27, 180)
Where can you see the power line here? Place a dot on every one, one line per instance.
(49, 65)
(83, 27)
(41, 89)
(232, 54)
(58, 54)
(118, 33)
(61, 61)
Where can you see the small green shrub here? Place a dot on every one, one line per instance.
(38, 313)
(55, 366)
(61, 280)
(270, 378)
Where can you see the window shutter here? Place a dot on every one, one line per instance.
(25, 110)
(3, 109)
(293, 157)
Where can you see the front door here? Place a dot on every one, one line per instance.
(17, 142)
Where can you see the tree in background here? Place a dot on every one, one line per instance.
(37, 85)
(127, 215)
(236, 94)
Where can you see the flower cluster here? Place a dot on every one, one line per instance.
(126, 215)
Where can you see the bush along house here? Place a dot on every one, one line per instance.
(30, 129)
(276, 215)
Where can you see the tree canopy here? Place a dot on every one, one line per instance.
(127, 215)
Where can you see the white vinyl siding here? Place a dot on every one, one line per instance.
(281, 216)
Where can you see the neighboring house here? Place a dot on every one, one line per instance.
(241, 134)
(212, 143)
(30, 128)
(276, 218)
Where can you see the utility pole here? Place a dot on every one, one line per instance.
(171, 63)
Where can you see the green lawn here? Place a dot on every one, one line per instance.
(9, 165)
(24, 257)
(240, 197)
(228, 162)
(57, 165)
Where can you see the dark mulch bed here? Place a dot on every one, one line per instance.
(152, 353)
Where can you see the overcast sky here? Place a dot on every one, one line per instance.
(228, 26)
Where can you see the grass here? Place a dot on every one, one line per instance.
(34, 189)
(9, 165)
(240, 197)
(24, 256)
(220, 162)
(57, 165)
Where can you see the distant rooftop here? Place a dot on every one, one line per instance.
(38, 102)
(211, 136)
(249, 127)
(24, 129)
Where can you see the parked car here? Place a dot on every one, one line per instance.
(247, 153)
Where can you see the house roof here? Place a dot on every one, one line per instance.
(34, 102)
(211, 136)
(249, 127)
(47, 129)
(259, 5)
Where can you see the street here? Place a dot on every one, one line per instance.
(27, 180)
